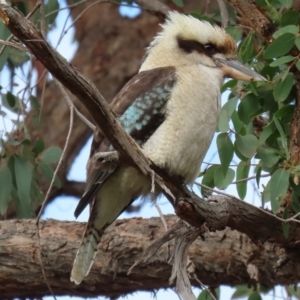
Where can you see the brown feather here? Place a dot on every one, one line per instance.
(138, 87)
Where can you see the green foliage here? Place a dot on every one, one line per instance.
(5, 188)
(283, 87)
(226, 150)
(281, 46)
(22, 164)
(205, 295)
(242, 173)
(246, 144)
(179, 3)
(222, 180)
(279, 183)
(51, 155)
(286, 226)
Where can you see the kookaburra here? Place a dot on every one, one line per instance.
(171, 109)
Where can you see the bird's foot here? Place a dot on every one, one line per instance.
(109, 156)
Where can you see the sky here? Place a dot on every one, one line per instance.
(63, 207)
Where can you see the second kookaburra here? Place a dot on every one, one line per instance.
(171, 108)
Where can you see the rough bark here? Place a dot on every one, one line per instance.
(225, 257)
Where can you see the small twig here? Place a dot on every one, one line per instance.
(84, 11)
(195, 277)
(84, 119)
(224, 13)
(64, 150)
(112, 156)
(14, 45)
(231, 165)
(41, 261)
(161, 215)
(78, 113)
(152, 182)
(249, 178)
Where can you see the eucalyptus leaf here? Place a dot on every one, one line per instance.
(239, 126)
(295, 202)
(293, 29)
(285, 111)
(230, 106)
(241, 291)
(269, 156)
(223, 122)
(254, 296)
(5, 188)
(281, 46)
(226, 150)
(235, 32)
(242, 172)
(208, 179)
(222, 181)
(4, 34)
(248, 108)
(179, 3)
(279, 183)
(246, 51)
(297, 42)
(282, 88)
(282, 136)
(290, 17)
(38, 146)
(51, 155)
(267, 131)
(205, 295)
(11, 99)
(23, 173)
(266, 194)
(281, 61)
(247, 144)
(17, 57)
(51, 10)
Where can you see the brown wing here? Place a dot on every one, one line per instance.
(141, 106)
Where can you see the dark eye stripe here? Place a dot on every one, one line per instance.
(189, 46)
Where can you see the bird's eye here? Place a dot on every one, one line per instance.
(210, 49)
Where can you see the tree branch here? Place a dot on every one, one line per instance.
(230, 262)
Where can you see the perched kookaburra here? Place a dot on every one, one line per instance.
(171, 108)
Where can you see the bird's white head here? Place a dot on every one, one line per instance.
(185, 40)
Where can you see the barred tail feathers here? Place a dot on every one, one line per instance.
(85, 255)
(123, 186)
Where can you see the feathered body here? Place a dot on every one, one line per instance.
(171, 108)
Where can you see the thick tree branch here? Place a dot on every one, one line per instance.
(226, 257)
(252, 17)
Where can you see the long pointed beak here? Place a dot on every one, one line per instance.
(236, 70)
